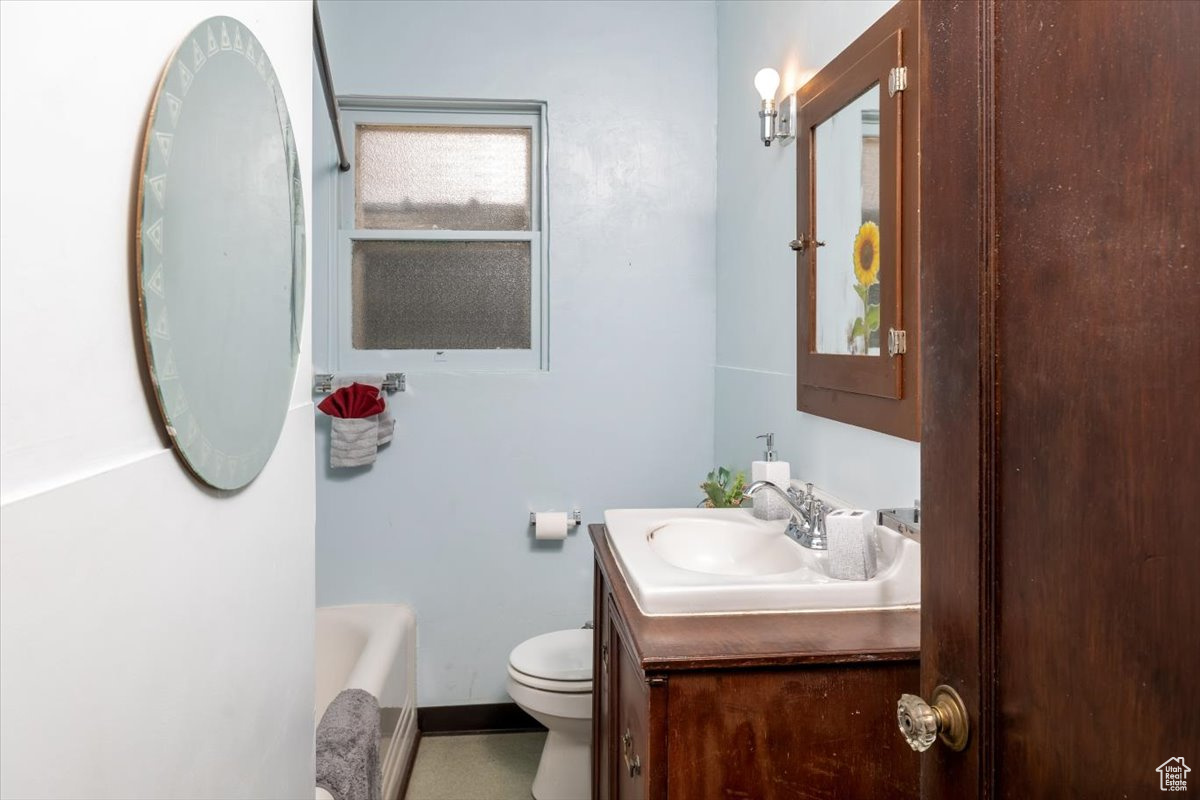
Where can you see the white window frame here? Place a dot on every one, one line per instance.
(364, 110)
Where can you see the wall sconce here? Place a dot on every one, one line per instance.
(775, 124)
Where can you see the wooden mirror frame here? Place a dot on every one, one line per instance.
(877, 392)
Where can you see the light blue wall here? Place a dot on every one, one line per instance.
(625, 415)
(756, 282)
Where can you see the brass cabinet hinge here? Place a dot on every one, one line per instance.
(897, 342)
(897, 80)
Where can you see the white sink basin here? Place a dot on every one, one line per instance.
(724, 547)
(714, 561)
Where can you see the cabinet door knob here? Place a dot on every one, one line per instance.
(922, 723)
(604, 656)
(804, 242)
(633, 765)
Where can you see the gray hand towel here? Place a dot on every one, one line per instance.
(348, 747)
(353, 442)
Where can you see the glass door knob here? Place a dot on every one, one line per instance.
(923, 723)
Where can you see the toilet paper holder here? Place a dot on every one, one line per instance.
(574, 518)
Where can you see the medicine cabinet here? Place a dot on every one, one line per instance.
(857, 221)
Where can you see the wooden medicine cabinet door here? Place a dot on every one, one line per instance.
(858, 338)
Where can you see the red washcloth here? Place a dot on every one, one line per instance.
(353, 402)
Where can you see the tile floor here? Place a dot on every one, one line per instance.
(498, 766)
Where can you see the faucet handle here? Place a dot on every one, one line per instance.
(816, 507)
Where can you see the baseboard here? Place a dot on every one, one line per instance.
(408, 768)
(481, 718)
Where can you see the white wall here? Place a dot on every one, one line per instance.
(624, 416)
(155, 638)
(756, 281)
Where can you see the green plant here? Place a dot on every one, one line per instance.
(723, 488)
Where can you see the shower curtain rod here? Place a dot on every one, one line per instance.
(335, 116)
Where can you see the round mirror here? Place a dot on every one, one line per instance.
(220, 255)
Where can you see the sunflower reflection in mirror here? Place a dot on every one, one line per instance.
(864, 332)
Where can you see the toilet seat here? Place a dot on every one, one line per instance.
(549, 685)
(554, 662)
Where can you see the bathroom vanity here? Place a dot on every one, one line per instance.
(762, 705)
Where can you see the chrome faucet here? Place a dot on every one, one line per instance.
(807, 525)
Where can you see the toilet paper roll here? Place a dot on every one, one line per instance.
(550, 525)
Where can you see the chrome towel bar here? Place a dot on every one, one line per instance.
(392, 382)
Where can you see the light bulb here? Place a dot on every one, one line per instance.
(767, 82)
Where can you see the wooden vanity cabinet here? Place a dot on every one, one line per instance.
(623, 699)
(760, 706)
(639, 747)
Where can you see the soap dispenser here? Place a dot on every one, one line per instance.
(768, 505)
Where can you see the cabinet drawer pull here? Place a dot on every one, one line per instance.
(634, 765)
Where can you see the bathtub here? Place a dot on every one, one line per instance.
(372, 647)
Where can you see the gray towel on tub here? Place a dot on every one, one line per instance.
(348, 747)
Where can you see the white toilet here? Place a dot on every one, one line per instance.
(550, 676)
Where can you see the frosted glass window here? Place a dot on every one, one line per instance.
(442, 258)
(427, 177)
(441, 295)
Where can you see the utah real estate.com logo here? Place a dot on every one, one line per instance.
(1172, 775)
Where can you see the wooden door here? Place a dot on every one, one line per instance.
(1061, 362)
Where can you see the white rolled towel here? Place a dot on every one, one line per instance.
(851, 541)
